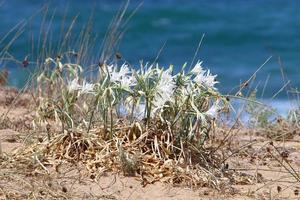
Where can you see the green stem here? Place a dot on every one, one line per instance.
(148, 110)
(111, 122)
(93, 112)
(132, 110)
(105, 121)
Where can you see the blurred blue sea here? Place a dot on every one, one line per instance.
(239, 35)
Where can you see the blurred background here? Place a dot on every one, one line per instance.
(240, 36)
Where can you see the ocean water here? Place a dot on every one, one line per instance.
(239, 36)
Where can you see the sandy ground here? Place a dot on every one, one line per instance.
(251, 155)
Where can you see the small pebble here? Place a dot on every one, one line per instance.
(279, 189)
(64, 189)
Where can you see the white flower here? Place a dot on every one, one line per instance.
(198, 68)
(164, 89)
(204, 77)
(160, 100)
(199, 73)
(146, 71)
(117, 75)
(214, 110)
(84, 88)
(73, 85)
(124, 70)
(210, 80)
(122, 76)
(87, 87)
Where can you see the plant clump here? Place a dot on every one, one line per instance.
(148, 121)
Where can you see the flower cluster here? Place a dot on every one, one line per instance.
(164, 89)
(152, 83)
(85, 88)
(149, 93)
(204, 77)
(122, 76)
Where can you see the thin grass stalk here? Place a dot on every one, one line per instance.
(294, 173)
